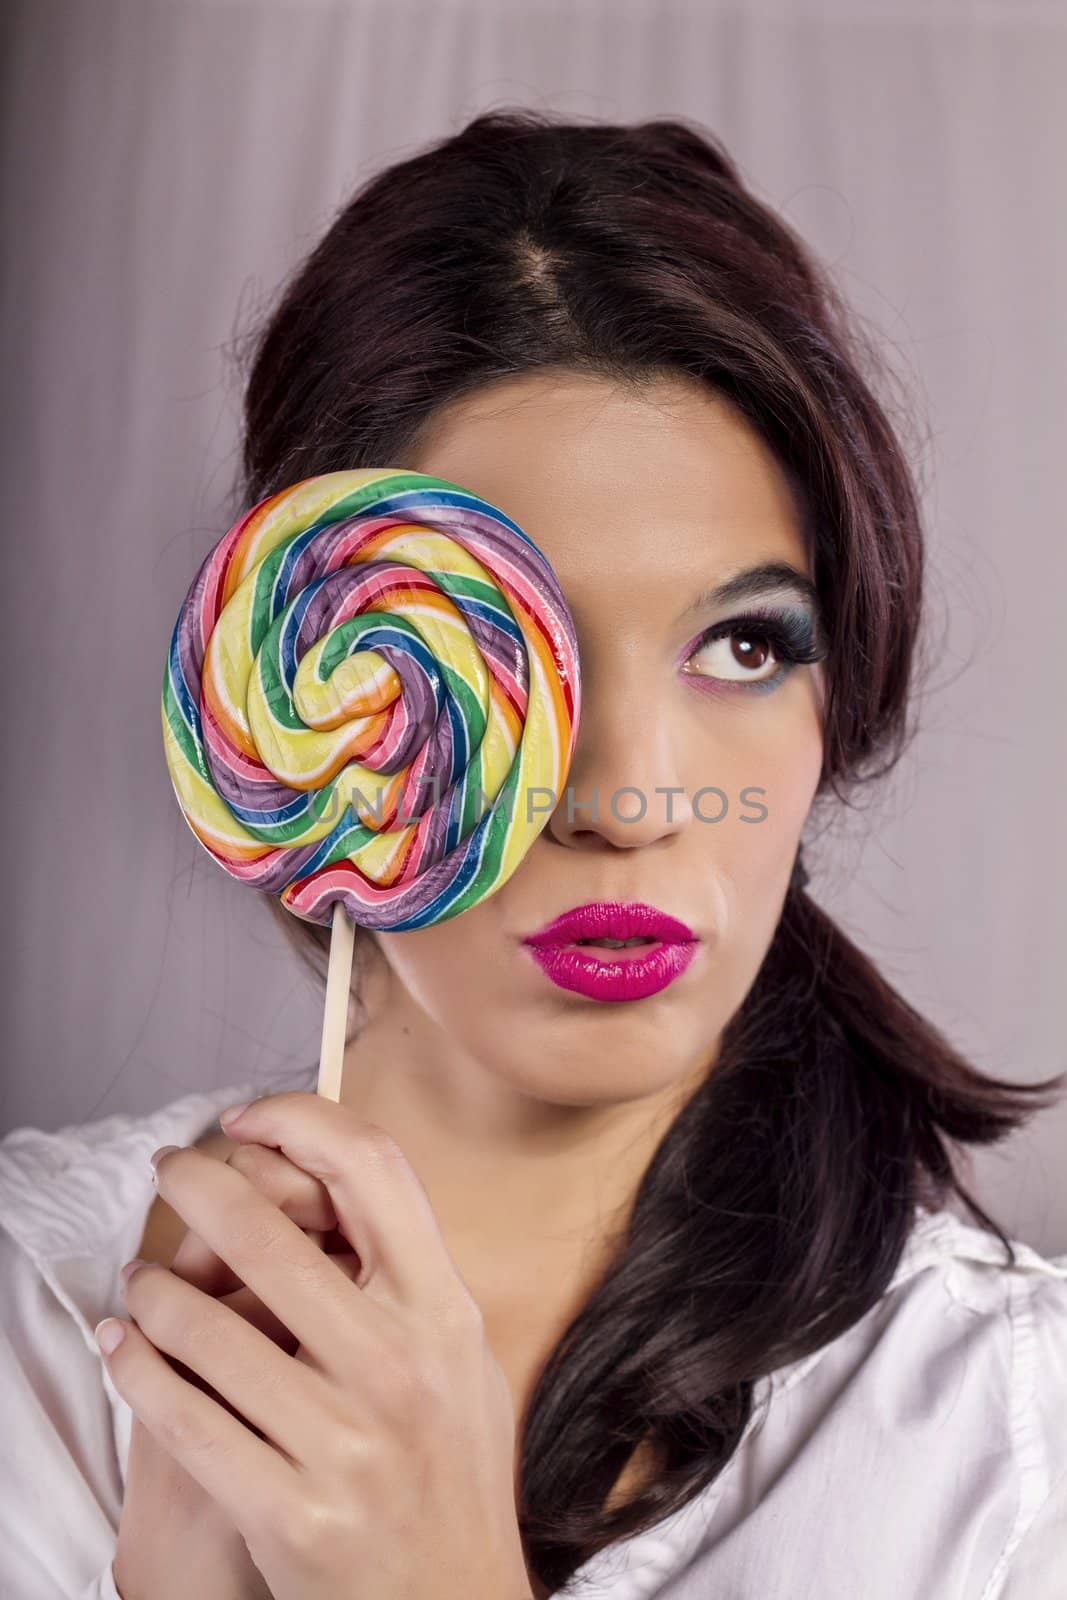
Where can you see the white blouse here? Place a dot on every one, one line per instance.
(921, 1455)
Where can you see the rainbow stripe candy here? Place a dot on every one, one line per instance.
(370, 674)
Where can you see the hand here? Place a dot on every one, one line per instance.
(173, 1539)
(377, 1463)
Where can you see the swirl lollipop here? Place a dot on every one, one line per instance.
(372, 674)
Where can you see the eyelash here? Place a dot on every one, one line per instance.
(792, 636)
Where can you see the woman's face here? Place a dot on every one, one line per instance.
(641, 503)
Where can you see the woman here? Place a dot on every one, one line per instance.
(676, 1285)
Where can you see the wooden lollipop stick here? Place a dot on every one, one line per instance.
(335, 1014)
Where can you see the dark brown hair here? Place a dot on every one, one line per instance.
(778, 1203)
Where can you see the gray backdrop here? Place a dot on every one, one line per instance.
(166, 165)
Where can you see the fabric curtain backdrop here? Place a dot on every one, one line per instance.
(165, 166)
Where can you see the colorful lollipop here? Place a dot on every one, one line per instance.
(372, 691)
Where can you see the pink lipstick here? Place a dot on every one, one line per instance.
(584, 950)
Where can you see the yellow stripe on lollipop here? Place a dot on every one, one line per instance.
(209, 817)
(291, 511)
(306, 758)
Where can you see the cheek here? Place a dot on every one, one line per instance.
(770, 776)
(444, 967)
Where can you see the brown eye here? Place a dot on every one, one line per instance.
(749, 650)
(737, 656)
(756, 652)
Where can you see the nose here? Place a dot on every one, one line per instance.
(624, 789)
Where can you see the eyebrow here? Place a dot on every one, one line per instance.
(756, 583)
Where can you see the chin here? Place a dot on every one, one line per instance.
(597, 1077)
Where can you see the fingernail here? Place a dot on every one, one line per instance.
(109, 1334)
(129, 1269)
(157, 1155)
(231, 1113)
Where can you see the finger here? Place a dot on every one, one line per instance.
(285, 1401)
(301, 1197)
(244, 1474)
(251, 1308)
(382, 1207)
(306, 1289)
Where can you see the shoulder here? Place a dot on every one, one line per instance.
(950, 1392)
(1003, 1340)
(922, 1451)
(74, 1200)
(962, 1322)
(995, 1304)
(957, 1284)
(73, 1204)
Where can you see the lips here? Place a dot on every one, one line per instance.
(602, 919)
(600, 972)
